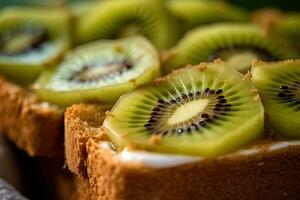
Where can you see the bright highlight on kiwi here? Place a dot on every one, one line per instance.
(238, 44)
(118, 18)
(30, 40)
(207, 110)
(100, 72)
(279, 87)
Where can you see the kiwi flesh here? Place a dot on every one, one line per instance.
(118, 18)
(100, 72)
(279, 86)
(30, 40)
(207, 110)
(192, 13)
(238, 44)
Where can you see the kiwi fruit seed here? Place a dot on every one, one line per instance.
(279, 86)
(100, 72)
(192, 13)
(238, 44)
(118, 18)
(207, 110)
(30, 40)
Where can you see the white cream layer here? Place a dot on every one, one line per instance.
(162, 160)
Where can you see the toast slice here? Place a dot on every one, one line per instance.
(268, 169)
(82, 122)
(35, 127)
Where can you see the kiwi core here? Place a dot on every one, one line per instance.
(22, 41)
(99, 70)
(19, 42)
(242, 60)
(188, 111)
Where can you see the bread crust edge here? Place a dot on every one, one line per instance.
(35, 127)
(265, 175)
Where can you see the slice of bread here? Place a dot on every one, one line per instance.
(272, 172)
(33, 126)
(82, 122)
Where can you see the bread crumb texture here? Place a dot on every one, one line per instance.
(34, 127)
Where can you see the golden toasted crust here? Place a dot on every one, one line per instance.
(267, 175)
(34, 127)
(264, 175)
(82, 122)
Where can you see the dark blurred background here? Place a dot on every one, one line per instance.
(288, 5)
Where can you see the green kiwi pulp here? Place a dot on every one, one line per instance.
(192, 13)
(118, 18)
(100, 71)
(238, 44)
(279, 86)
(206, 110)
(31, 39)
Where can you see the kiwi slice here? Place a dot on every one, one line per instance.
(238, 44)
(30, 39)
(118, 18)
(192, 13)
(279, 86)
(206, 110)
(100, 72)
